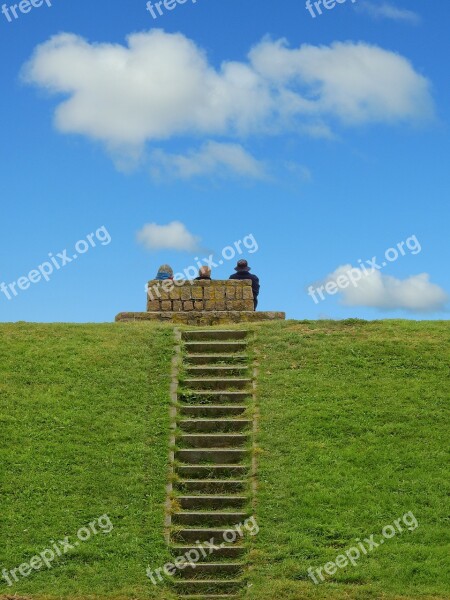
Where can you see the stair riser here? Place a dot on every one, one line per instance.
(228, 426)
(214, 334)
(211, 503)
(204, 535)
(205, 587)
(211, 571)
(217, 371)
(216, 359)
(212, 487)
(211, 412)
(212, 519)
(212, 472)
(215, 347)
(220, 457)
(217, 384)
(211, 397)
(212, 441)
(227, 553)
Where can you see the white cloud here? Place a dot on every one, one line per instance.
(415, 294)
(388, 11)
(159, 86)
(174, 236)
(212, 159)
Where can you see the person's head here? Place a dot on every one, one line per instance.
(242, 266)
(204, 271)
(165, 272)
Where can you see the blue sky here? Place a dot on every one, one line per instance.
(326, 139)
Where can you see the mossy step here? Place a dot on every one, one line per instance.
(208, 570)
(218, 456)
(217, 383)
(215, 347)
(197, 518)
(205, 586)
(214, 396)
(212, 440)
(214, 359)
(217, 536)
(211, 410)
(212, 486)
(214, 554)
(214, 425)
(217, 370)
(207, 502)
(219, 471)
(214, 334)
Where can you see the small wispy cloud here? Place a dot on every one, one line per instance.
(385, 10)
(174, 236)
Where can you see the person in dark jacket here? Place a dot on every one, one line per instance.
(243, 272)
(204, 273)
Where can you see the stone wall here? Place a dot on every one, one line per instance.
(185, 296)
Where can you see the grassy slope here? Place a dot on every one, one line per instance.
(84, 432)
(353, 436)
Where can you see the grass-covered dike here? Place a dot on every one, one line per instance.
(353, 434)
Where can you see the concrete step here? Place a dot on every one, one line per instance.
(209, 371)
(215, 554)
(214, 425)
(218, 456)
(212, 440)
(215, 359)
(211, 502)
(214, 397)
(217, 536)
(217, 383)
(197, 335)
(212, 486)
(215, 347)
(215, 471)
(210, 570)
(211, 411)
(206, 586)
(209, 518)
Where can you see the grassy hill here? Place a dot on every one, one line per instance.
(353, 437)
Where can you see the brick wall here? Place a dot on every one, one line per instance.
(183, 296)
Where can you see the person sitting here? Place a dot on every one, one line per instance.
(204, 273)
(164, 272)
(243, 272)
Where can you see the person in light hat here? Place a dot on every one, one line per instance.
(243, 272)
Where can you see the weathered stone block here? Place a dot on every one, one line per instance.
(153, 305)
(199, 305)
(220, 305)
(197, 292)
(175, 293)
(166, 305)
(188, 305)
(177, 305)
(186, 292)
(248, 305)
(230, 292)
(247, 293)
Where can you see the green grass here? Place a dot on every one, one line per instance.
(354, 434)
(84, 427)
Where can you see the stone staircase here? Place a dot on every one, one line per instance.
(211, 492)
